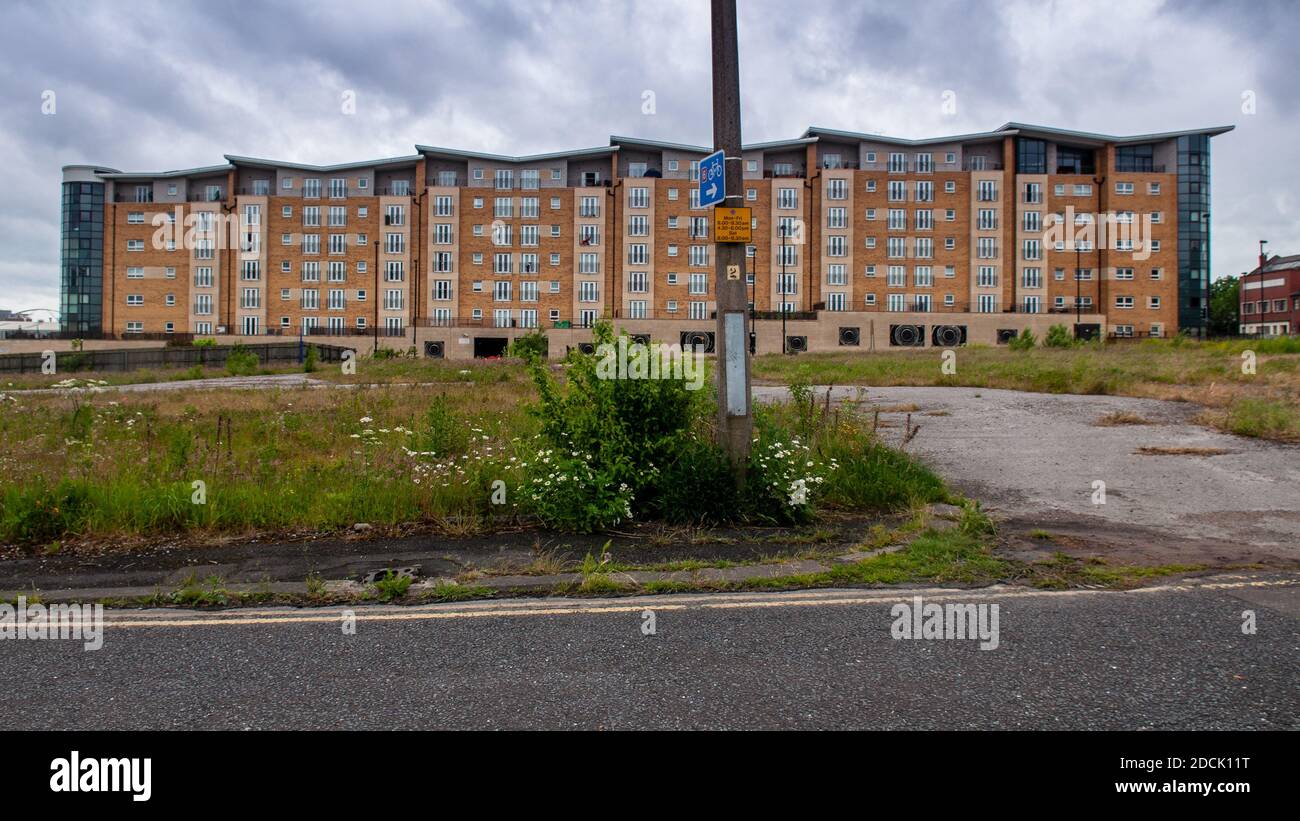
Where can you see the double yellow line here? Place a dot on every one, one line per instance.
(572, 607)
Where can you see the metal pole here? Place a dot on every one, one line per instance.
(1259, 326)
(783, 291)
(735, 424)
(1078, 289)
(753, 311)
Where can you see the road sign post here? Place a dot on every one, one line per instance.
(721, 185)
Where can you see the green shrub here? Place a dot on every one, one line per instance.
(310, 360)
(567, 492)
(205, 343)
(532, 345)
(241, 361)
(1024, 341)
(696, 486)
(39, 513)
(1058, 336)
(75, 361)
(392, 586)
(615, 435)
(443, 432)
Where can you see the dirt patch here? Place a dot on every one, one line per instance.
(349, 555)
(1121, 418)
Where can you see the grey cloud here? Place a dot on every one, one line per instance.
(167, 85)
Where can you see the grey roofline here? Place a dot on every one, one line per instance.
(427, 150)
(1089, 136)
(671, 146)
(771, 144)
(98, 169)
(255, 162)
(699, 149)
(185, 172)
(983, 136)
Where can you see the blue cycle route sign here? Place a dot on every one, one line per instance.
(713, 180)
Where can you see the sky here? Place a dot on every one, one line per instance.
(155, 86)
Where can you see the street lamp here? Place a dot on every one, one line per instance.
(753, 310)
(1263, 303)
(781, 290)
(1078, 289)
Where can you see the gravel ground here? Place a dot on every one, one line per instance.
(1032, 459)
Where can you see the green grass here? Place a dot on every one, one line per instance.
(1265, 404)
(243, 462)
(210, 592)
(1062, 571)
(1263, 419)
(268, 460)
(391, 586)
(449, 592)
(599, 584)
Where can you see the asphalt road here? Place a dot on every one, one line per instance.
(1167, 658)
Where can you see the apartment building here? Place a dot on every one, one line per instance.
(858, 240)
(1270, 297)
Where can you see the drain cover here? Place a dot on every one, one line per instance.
(412, 572)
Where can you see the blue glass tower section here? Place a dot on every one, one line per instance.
(81, 282)
(1194, 233)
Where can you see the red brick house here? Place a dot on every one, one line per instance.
(1271, 299)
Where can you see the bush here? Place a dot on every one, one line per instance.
(613, 435)
(241, 361)
(532, 345)
(697, 486)
(311, 359)
(1058, 336)
(205, 343)
(1025, 341)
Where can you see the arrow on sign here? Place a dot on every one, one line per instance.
(712, 190)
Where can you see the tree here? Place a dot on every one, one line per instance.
(1225, 303)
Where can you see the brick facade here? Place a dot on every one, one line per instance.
(442, 243)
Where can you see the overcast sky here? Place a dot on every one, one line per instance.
(154, 86)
